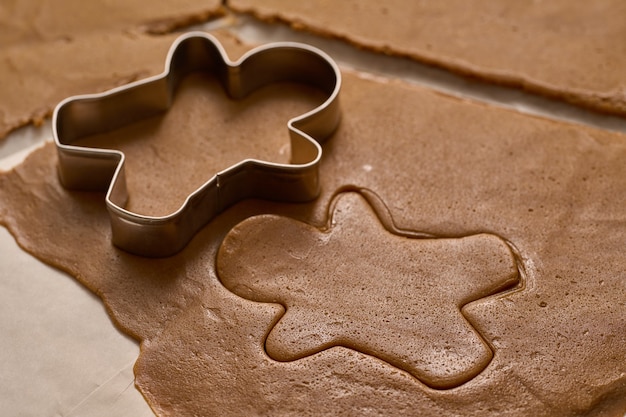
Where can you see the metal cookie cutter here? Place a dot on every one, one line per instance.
(101, 169)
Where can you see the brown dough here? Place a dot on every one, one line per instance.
(28, 21)
(571, 50)
(182, 135)
(402, 306)
(436, 165)
(78, 66)
(50, 50)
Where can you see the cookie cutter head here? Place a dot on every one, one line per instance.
(83, 168)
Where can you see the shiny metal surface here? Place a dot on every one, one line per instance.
(85, 168)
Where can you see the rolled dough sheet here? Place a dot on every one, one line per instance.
(443, 166)
(571, 50)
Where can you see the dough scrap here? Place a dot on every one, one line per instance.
(50, 50)
(442, 166)
(35, 21)
(570, 50)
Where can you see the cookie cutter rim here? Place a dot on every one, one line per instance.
(85, 168)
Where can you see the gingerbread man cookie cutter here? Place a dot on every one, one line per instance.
(83, 168)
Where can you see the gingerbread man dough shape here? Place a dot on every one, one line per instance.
(343, 287)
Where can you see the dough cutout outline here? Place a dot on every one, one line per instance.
(386, 318)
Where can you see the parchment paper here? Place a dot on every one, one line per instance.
(59, 352)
